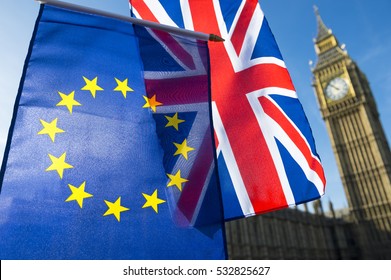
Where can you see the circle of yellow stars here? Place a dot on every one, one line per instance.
(59, 163)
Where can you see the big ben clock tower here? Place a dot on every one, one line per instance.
(358, 141)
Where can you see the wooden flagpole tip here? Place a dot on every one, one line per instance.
(215, 38)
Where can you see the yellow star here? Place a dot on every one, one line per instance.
(68, 101)
(151, 103)
(78, 194)
(183, 149)
(50, 128)
(91, 85)
(174, 121)
(58, 164)
(152, 201)
(122, 86)
(115, 208)
(176, 180)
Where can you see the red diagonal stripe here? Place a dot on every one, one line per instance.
(192, 189)
(241, 27)
(276, 114)
(143, 10)
(176, 49)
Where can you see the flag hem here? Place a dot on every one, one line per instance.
(18, 96)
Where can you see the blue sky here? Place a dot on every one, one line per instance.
(364, 26)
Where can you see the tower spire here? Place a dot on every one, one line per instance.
(323, 31)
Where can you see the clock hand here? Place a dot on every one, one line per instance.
(337, 88)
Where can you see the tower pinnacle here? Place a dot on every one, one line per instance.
(323, 31)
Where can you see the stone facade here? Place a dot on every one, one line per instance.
(292, 234)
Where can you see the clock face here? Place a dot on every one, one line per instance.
(337, 88)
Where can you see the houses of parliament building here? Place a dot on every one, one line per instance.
(363, 157)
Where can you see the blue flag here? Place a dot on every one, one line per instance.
(101, 164)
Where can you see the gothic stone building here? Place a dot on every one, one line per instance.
(293, 234)
(364, 162)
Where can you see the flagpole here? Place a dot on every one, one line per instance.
(145, 23)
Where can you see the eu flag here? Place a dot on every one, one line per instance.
(101, 165)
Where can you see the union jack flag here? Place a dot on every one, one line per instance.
(267, 158)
